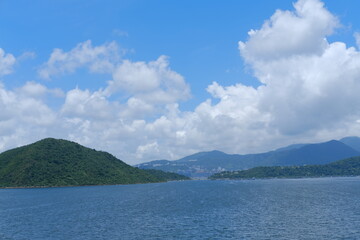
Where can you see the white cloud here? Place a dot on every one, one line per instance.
(357, 38)
(152, 82)
(309, 93)
(310, 84)
(148, 149)
(26, 56)
(84, 104)
(99, 59)
(33, 89)
(120, 33)
(289, 33)
(7, 62)
(137, 109)
(24, 108)
(23, 117)
(37, 90)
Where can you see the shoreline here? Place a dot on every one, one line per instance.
(88, 185)
(280, 178)
(91, 185)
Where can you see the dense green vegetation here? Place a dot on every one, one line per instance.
(168, 176)
(347, 167)
(52, 162)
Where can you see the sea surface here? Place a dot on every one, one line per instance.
(322, 208)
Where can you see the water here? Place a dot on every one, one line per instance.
(326, 208)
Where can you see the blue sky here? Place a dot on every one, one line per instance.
(162, 79)
(200, 37)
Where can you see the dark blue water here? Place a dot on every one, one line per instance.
(327, 208)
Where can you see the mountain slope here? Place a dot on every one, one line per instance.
(291, 147)
(52, 162)
(206, 163)
(353, 142)
(347, 167)
(320, 153)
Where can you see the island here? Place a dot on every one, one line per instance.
(346, 167)
(55, 162)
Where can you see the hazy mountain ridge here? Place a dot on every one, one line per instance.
(204, 164)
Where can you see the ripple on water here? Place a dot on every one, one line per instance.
(262, 209)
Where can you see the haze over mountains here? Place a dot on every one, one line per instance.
(204, 164)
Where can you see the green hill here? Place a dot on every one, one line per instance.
(52, 162)
(347, 167)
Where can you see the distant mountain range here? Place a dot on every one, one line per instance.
(204, 164)
(54, 162)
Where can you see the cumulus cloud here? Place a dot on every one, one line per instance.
(7, 62)
(309, 92)
(27, 55)
(23, 117)
(357, 38)
(291, 33)
(147, 86)
(148, 149)
(309, 83)
(33, 89)
(37, 90)
(147, 90)
(99, 59)
(152, 82)
(84, 104)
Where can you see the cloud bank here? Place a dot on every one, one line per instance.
(309, 92)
